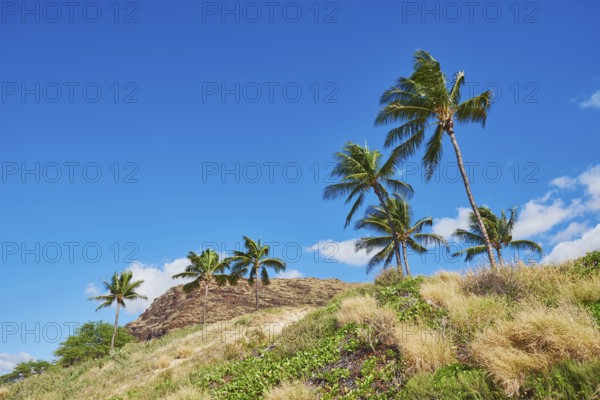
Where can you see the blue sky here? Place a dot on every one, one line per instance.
(134, 134)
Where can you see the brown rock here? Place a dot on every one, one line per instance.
(176, 309)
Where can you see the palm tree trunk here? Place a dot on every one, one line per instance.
(256, 286)
(405, 259)
(392, 228)
(463, 173)
(500, 261)
(112, 342)
(205, 300)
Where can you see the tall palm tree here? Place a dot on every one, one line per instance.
(119, 289)
(500, 235)
(204, 268)
(427, 99)
(359, 171)
(410, 235)
(254, 260)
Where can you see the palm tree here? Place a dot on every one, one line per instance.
(254, 260)
(119, 289)
(359, 171)
(500, 234)
(426, 99)
(204, 268)
(410, 235)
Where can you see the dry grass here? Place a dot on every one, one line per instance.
(162, 362)
(536, 338)
(292, 391)
(364, 310)
(425, 350)
(188, 393)
(4, 392)
(184, 352)
(468, 312)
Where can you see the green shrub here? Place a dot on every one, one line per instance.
(389, 277)
(588, 264)
(406, 299)
(90, 341)
(453, 382)
(568, 380)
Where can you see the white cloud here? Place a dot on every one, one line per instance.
(290, 274)
(563, 251)
(590, 179)
(157, 280)
(541, 215)
(92, 290)
(564, 182)
(573, 230)
(9, 361)
(592, 102)
(343, 252)
(446, 226)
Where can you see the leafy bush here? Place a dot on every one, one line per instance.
(90, 341)
(24, 370)
(588, 264)
(406, 300)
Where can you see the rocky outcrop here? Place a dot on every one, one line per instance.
(176, 309)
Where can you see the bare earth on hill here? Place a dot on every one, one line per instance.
(176, 309)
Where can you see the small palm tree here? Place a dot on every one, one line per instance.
(410, 235)
(119, 289)
(500, 234)
(254, 260)
(427, 99)
(359, 171)
(204, 268)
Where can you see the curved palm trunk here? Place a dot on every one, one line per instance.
(405, 258)
(205, 301)
(112, 342)
(500, 261)
(392, 228)
(256, 286)
(463, 173)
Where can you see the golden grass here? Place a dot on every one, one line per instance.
(4, 392)
(184, 352)
(424, 350)
(536, 338)
(364, 310)
(292, 391)
(188, 393)
(467, 311)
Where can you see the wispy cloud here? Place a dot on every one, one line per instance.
(9, 361)
(290, 274)
(591, 102)
(343, 252)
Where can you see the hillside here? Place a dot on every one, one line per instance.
(177, 309)
(522, 333)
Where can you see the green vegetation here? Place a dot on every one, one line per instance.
(410, 235)
(24, 370)
(499, 231)
(92, 340)
(481, 335)
(204, 268)
(253, 261)
(119, 289)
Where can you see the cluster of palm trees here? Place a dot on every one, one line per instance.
(426, 99)
(203, 269)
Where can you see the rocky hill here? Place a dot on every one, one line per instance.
(176, 309)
